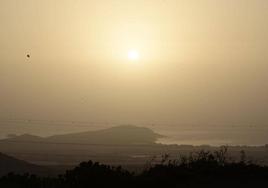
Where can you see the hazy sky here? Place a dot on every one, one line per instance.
(201, 62)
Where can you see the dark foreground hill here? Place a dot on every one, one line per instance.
(11, 164)
(203, 169)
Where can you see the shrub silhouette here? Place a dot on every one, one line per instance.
(95, 174)
(205, 168)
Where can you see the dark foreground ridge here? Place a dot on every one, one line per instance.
(11, 164)
(201, 169)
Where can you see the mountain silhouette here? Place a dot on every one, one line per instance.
(116, 135)
(123, 135)
(10, 164)
(126, 144)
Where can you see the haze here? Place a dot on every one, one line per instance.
(201, 63)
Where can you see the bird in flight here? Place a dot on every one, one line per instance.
(28, 56)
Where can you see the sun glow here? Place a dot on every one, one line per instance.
(133, 55)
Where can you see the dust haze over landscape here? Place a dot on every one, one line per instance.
(121, 81)
(202, 67)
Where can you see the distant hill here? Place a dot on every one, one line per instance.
(129, 146)
(10, 164)
(116, 135)
(125, 144)
(123, 135)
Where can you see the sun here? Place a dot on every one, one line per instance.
(133, 55)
